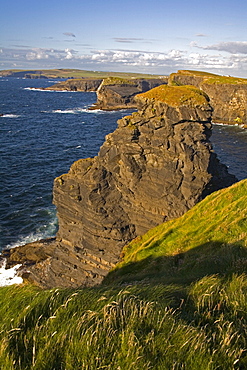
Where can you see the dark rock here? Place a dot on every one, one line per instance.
(155, 166)
(117, 93)
(82, 84)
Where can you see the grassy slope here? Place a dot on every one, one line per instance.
(210, 238)
(176, 96)
(184, 305)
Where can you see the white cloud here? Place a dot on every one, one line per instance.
(69, 53)
(37, 54)
(126, 60)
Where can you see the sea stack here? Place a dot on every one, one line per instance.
(155, 166)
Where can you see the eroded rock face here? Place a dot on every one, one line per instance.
(155, 166)
(117, 93)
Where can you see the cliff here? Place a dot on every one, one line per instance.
(119, 93)
(155, 166)
(228, 95)
(82, 84)
(112, 92)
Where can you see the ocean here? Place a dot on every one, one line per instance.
(42, 133)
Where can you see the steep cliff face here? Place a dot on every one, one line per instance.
(229, 102)
(155, 166)
(82, 84)
(228, 95)
(119, 93)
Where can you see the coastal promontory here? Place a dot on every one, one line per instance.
(154, 167)
(228, 95)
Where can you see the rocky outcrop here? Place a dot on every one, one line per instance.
(82, 84)
(119, 93)
(228, 95)
(155, 166)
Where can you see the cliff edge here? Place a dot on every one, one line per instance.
(155, 166)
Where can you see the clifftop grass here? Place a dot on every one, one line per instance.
(211, 78)
(220, 80)
(196, 73)
(177, 96)
(118, 81)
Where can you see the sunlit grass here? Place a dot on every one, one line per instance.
(211, 237)
(176, 96)
(110, 329)
(177, 301)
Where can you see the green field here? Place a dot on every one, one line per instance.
(75, 73)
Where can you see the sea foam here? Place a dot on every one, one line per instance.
(10, 116)
(9, 276)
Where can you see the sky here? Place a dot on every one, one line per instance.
(148, 36)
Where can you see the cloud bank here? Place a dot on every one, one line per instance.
(132, 60)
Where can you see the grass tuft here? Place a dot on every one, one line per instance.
(177, 96)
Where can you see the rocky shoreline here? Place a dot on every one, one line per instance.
(155, 166)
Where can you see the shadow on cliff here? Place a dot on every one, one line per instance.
(184, 268)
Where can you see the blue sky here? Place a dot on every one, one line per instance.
(155, 36)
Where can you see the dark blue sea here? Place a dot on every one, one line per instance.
(42, 133)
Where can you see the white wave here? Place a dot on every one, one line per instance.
(43, 232)
(9, 276)
(78, 110)
(32, 89)
(70, 111)
(95, 111)
(37, 89)
(44, 90)
(66, 111)
(10, 116)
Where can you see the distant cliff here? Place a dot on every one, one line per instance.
(155, 166)
(228, 95)
(78, 84)
(119, 93)
(112, 92)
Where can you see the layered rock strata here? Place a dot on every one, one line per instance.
(155, 166)
(228, 95)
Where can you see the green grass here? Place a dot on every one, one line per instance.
(208, 239)
(126, 329)
(196, 73)
(220, 80)
(118, 81)
(178, 300)
(176, 96)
